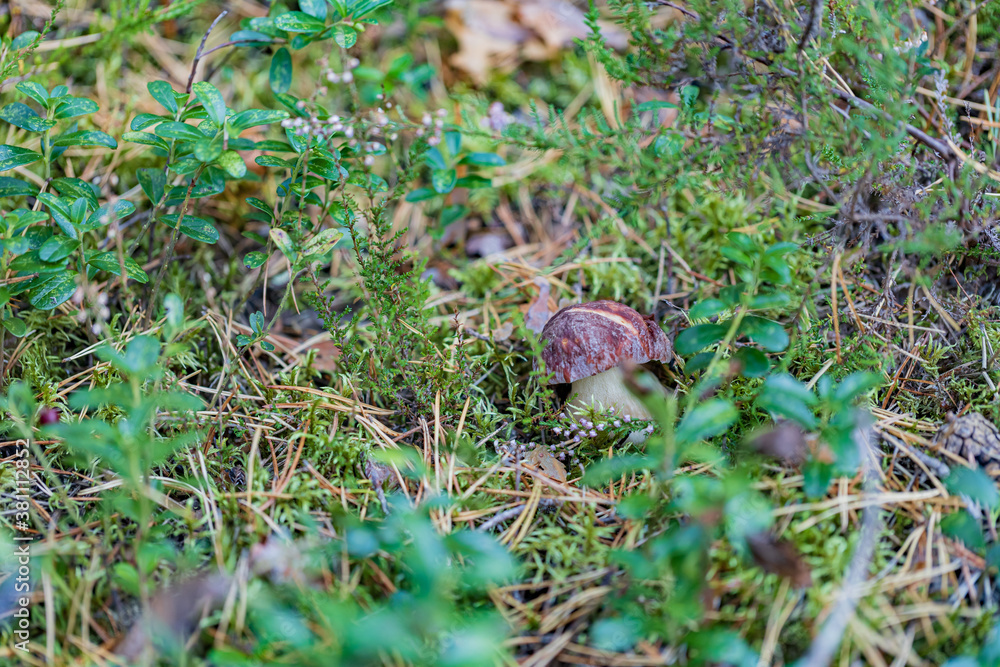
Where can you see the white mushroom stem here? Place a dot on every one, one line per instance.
(607, 390)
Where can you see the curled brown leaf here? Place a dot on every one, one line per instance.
(780, 557)
(786, 443)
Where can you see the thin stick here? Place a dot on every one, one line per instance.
(201, 48)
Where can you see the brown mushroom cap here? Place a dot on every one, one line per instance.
(590, 338)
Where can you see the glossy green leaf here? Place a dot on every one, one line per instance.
(736, 255)
(816, 478)
(260, 205)
(211, 99)
(705, 420)
(473, 181)
(770, 301)
(696, 338)
(181, 131)
(453, 143)
(233, 164)
(15, 187)
(742, 242)
(164, 94)
(434, 158)
(144, 120)
(86, 138)
(53, 291)
(109, 261)
(207, 150)
(975, 484)
(443, 180)
(854, 385)
(15, 156)
(753, 362)
(144, 138)
(314, 8)
(105, 213)
(153, 182)
(35, 91)
(769, 334)
(30, 262)
(281, 71)
(57, 248)
(25, 118)
(254, 118)
(298, 22)
(345, 36)
(254, 259)
(71, 107)
(272, 161)
(14, 326)
(698, 362)
(785, 396)
(197, 228)
(24, 40)
(74, 188)
(483, 160)
(782, 248)
(250, 38)
(777, 264)
(962, 527)
(706, 308)
(421, 194)
(359, 8)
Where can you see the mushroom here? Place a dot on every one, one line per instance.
(587, 345)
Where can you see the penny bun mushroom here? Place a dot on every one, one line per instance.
(586, 345)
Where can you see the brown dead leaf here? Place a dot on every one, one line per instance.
(497, 34)
(538, 310)
(542, 458)
(487, 36)
(175, 614)
(279, 559)
(786, 443)
(780, 557)
(503, 332)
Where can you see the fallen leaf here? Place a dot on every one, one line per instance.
(498, 34)
(786, 443)
(538, 310)
(503, 332)
(277, 558)
(175, 614)
(542, 458)
(487, 36)
(779, 556)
